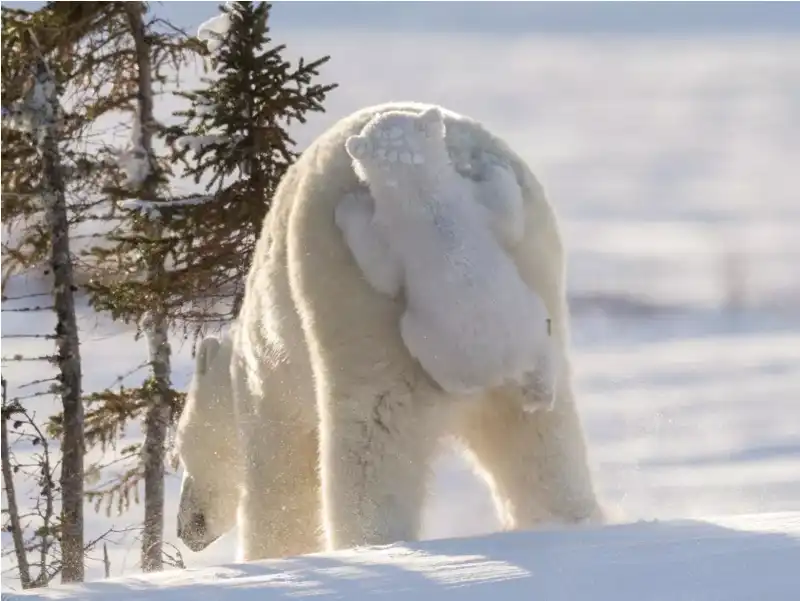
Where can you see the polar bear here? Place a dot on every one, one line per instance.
(470, 320)
(333, 422)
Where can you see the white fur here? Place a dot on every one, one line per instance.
(369, 244)
(212, 496)
(337, 422)
(470, 320)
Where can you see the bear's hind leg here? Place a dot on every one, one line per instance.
(376, 446)
(378, 412)
(534, 462)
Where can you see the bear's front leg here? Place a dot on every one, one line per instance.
(378, 422)
(354, 217)
(279, 508)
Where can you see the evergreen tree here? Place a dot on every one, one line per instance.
(233, 138)
(139, 59)
(51, 184)
(158, 411)
(54, 32)
(36, 115)
(165, 261)
(116, 59)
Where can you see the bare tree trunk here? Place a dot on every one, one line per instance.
(11, 501)
(158, 412)
(67, 343)
(156, 426)
(106, 562)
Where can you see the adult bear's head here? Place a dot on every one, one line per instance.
(208, 447)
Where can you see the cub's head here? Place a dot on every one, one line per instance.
(207, 445)
(397, 140)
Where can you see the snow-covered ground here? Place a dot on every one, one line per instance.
(672, 164)
(738, 558)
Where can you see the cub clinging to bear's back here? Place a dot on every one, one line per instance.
(470, 319)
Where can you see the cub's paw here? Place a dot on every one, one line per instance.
(367, 243)
(501, 196)
(354, 211)
(538, 392)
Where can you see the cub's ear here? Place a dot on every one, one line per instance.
(432, 122)
(206, 352)
(358, 147)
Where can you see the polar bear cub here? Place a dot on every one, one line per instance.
(426, 231)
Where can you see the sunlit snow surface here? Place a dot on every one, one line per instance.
(735, 559)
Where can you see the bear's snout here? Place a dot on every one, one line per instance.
(193, 533)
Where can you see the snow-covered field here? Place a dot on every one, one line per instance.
(732, 559)
(672, 163)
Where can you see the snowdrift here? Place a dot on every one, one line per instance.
(721, 559)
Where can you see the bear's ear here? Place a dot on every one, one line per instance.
(358, 147)
(208, 349)
(432, 122)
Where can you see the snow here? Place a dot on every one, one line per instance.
(214, 30)
(153, 208)
(155, 339)
(202, 110)
(199, 143)
(733, 558)
(37, 110)
(133, 159)
(663, 157)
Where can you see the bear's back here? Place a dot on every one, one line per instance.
(326, 167)
(466, 141)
